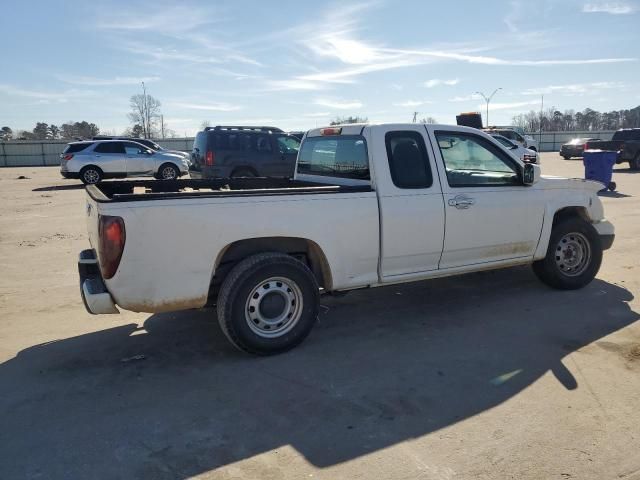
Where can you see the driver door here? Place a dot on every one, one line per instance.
(139, 161)
(490, 215)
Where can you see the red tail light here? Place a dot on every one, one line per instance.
(331, 131)
(210, 158)
(111, 238)
(68, 156)
(586, 146)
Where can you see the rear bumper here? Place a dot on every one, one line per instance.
(95, 296)
(607, 233)
(73, 175)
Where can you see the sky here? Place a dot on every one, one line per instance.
(297, 65)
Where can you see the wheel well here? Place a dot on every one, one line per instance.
(171, 164)
(533, 148)
(248, 168)
(568, 212)
(91, 166)
(303, 249)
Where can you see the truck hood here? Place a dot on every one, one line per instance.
(548, 182)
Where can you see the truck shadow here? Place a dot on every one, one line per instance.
(52, 188)
(173, 399)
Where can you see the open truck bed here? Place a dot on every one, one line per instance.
(141, 190)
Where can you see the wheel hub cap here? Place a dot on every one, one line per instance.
(274, 307)
(573, 254)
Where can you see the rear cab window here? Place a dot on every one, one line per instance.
(343, 156)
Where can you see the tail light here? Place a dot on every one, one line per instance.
(210, 158)
(586, 146)
(331, 131)
(111, 238)
(68, 156)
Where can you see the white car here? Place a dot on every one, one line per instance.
(93, 161)
(369, 206)
(524, 154)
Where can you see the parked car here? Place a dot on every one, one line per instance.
(366, 208)
(243, 151)
(524, 154)
(526, 141)
(575, 147)
(626, 142)
(146, 142)
(93, 161)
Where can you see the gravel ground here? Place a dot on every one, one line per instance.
(490, 375)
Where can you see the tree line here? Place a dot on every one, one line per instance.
(553, 120)
(44, 131)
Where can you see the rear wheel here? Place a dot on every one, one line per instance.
(268, 303)
(573, 256)
(90, 175)
(635, 163)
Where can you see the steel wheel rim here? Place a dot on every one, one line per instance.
(268, 322)
(573, 254)
(91, 176)
(168, 173)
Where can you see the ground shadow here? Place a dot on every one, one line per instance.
(75, 186)
(625, 170)
(174, 400)
(613, 194)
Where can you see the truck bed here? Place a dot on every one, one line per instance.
(141, 190)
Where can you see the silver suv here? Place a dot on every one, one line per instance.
(93, 161)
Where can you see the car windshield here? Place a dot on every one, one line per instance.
(507, 143)
(334, 156)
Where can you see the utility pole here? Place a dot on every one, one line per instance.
(488, 99)
(415, 116)
(162, 126)
(144, 113)
(541, 115)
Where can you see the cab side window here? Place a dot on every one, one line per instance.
(133, 149)
(472, 161)
(408, 160)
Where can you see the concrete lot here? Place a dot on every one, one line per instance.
(486, 376)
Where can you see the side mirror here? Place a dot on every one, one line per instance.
(530, 173)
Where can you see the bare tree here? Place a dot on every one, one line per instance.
(429, 120)
(205, 124)
(349, 119)
(145, 111)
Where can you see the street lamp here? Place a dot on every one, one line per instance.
(488, 99)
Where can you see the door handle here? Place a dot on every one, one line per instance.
(461, 202)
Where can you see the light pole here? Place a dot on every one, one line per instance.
(488, 99)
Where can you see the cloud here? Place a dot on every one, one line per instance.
(45, 96)
(213, 107)
(574, 89)
(434, 82)
(294, 84)
(96, 82)
(411, 103)
(316, 114)
(338, 104)
(612, 8)
(508, 105)
(465, 98)
(169, 19)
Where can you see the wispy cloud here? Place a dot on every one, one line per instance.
(507, 105)
(45, 95)
(574, 89)
(170, 19)
(294, 84)
(435, 82)
(464, 98)
(411, 103)
(338, 103)
(212, 107)
(612, 8)
(97, 82)
(316, 114)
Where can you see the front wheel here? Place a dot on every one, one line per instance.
(268, 303)
(90, 175)
(573, 256)
(168, 172)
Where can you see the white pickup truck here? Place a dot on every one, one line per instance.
(369, 206)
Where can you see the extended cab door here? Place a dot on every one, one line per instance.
(490, 215)
(410, 198)
(110, 157)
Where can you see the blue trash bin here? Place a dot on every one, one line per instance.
(598, 166)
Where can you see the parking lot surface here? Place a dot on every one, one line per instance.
(491, 375)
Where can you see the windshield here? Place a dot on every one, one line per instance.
(334, 156)
(507, 143)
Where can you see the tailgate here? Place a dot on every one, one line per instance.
(91, 212)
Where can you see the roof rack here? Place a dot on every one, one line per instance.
(244, 127)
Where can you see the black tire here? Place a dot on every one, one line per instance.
(90, 175)
(566, 157)
(612, 186)
(168, 171)
(285, 276)
(243, 172)
(635, 163)
(567, 233)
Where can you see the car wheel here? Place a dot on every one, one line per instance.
(573, 256)
(243, 172)
(635, 163)
(268, 303)
(90, 175)
(566, 157)
(168, 172)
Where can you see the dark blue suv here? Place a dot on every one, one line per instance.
(243, 151)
